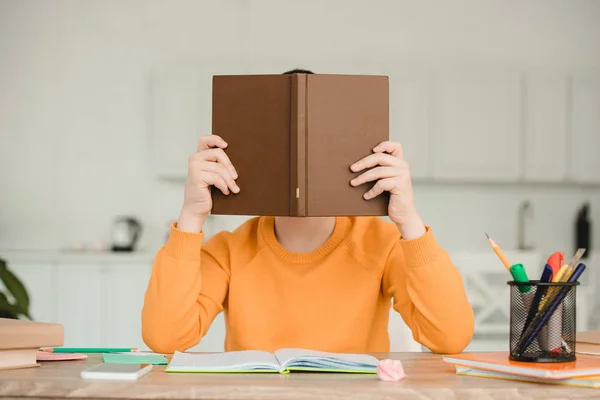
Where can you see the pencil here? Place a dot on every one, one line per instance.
(88, 350)
(499, 252)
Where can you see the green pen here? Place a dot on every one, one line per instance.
(519, 275)
(89, 350)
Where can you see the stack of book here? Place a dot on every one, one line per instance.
(588, 343)
(20, 341)
(583, 372)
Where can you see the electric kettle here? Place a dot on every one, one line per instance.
(125, 234)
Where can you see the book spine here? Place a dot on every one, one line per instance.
(298, 146)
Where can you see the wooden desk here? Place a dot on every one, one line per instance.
(428, 378)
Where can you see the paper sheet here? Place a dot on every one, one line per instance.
(318, 358)
(228, 361)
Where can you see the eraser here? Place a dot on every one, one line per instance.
(390, 370)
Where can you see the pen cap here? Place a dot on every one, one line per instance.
(543, 321)
(518, 273)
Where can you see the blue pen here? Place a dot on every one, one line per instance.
(539, 322)
(546, 277)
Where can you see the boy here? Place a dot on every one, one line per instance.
(317, 283)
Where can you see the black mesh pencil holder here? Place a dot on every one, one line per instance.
(543, 321)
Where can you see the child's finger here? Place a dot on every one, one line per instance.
(380, 187)
(372, 160)
(210, 141)
(374, 174)
(214, 179)
(223, 172)
(393, 148)
(219, 156)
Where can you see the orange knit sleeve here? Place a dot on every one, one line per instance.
(429, 294)
(186, 291)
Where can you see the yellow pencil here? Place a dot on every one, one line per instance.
(562, 273)
(499, 253)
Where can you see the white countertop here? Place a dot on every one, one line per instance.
(75, 256)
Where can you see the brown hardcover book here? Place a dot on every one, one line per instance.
(21, 340)
(592, 337)
(588, 342)
(292, 139)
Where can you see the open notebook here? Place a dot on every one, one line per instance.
(282, 361)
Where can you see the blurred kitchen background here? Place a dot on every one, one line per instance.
(496, 103)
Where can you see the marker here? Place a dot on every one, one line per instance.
(519, 275)
(555, 261)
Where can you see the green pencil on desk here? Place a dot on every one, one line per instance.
(90, 350)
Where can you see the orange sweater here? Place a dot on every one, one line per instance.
(336, 298)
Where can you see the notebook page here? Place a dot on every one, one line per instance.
(228, 361)
(324, 360)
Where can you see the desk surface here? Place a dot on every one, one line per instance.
(427, 378)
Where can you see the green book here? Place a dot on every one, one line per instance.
(281, 361)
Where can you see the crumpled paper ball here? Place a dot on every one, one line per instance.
(390, 370)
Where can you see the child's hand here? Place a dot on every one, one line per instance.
(392, 174)
(210, 166)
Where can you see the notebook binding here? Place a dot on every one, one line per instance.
(298, 145)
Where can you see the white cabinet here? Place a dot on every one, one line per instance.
(124, 287)
(477, 126)
(100, 304)
(80, 300)
(546, 149)
(97, 298)
(585, 127)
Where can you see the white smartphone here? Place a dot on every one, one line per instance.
(128, 372)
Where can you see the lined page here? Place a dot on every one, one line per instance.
(319, 358)
(228, 361)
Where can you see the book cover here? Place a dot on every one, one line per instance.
(19, 334)
(591, 337)
(292, 139)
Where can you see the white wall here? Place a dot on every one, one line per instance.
(74, 80)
